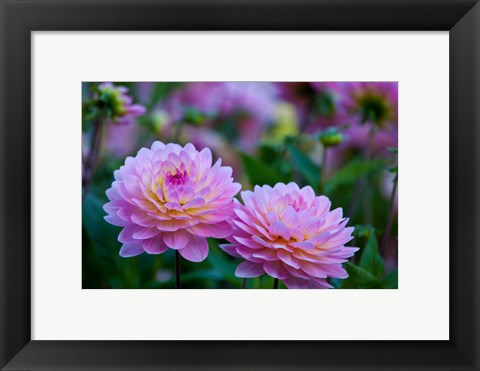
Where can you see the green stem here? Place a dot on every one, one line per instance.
(244, 283)
(176, 131)
(177, 269)
(92, 158)
(367, 207)
(323, 170)
(362, 182)
(275, 283)
(388, 228)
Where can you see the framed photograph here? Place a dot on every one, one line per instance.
(216, 185)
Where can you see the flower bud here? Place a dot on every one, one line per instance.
(113, 102)
(331, 137)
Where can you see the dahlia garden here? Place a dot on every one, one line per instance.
(240, 185)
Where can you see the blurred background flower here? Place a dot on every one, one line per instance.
(268, 132)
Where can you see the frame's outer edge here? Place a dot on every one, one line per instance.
(15, 183)
(465, 184)
(19, 17)
(229, 15)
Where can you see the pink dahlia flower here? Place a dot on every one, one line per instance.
(171, 197)
(291, 235)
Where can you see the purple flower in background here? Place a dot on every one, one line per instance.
(121, 140)
(241, 110)
(316, 104)
(117, 104)
(373, 102)
(291, 235)
(370, 102)
(171, 197)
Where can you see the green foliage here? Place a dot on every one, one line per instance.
(360, 278)
(391, 280)
(161, 91)
(259, 172)
(352, 172)
(371, 259)
(221, 263)
(304, 165)
(325, 105)
(369, 273)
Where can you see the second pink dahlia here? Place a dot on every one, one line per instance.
(289, 234)
(170, 196)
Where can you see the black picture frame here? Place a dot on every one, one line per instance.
(18, 18)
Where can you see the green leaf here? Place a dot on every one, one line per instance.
(393, 150)
(350, 173)
(371, 259)
(210, 274)
(161, 91)
(304, 164)
(98, 229)
(103, 254)
(360, 278)
(259, 173)
(220, 262)
(390, 281)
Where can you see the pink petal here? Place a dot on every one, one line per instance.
(247, 242)
(204, 159)
(275, 269)
(261, 241)
(317, 283)
(126, 233)
(296, 234)
(265, 254)
(304, 245)
(230, 249)
(176, 240)
(319, 238)
(142, 219)
(195, 203)
(311, 227)
(247, 254)
(115, 220)
(334, 270)
(142, 233)
(174, 225)
(196, 249)
(313, 269)
(155, 245)
(131, 249)
(173, 206)
(287, 258)
(296, 283)
(279, 229)
(297, 273)
(218, 230)
(290, 217)
(248, 269)
(308, 194)
(243, 226)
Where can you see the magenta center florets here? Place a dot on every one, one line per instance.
(179, 178)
